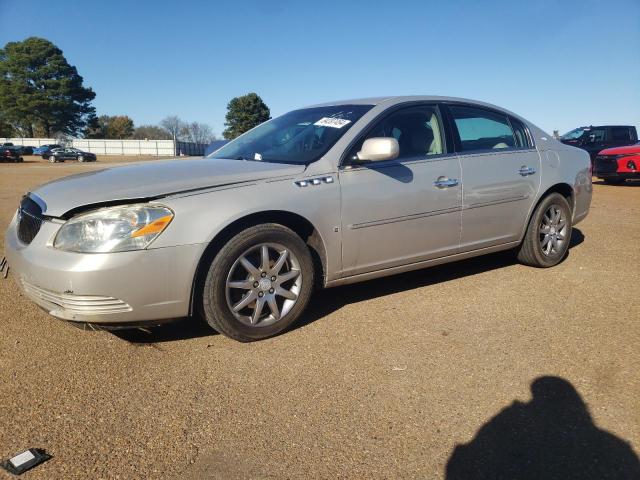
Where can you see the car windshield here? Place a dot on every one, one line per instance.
(574, 134)
(300, 136)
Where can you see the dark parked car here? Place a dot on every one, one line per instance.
(62, 154)
(27, 150)
(594, 139)
(10, 154)
(45, 150)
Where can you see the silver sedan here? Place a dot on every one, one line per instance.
(322, 196)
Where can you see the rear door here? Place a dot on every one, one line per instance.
(500, 173)
(406, 210)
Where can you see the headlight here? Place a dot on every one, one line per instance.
(114, 229)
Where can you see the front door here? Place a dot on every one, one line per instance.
(501, 174)
(401, 211)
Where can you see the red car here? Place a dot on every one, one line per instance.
(615, 165)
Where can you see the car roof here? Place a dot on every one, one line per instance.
(607, 126)
(399, 99)
(393, 99)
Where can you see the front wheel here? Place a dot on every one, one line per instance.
(258, 284)
(52, 159)
(548, 234)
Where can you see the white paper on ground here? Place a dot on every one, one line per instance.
(21, 458)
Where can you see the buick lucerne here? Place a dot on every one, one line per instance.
(322, 196)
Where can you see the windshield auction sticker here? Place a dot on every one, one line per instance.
(332, 122)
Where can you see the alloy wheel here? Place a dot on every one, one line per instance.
(553, 231)
(263, 284)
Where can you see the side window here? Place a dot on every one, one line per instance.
(520, 132)
(620, 134)
(417, 129)
(596, 135)
(481, 129)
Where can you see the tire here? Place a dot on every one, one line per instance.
(227, 268)
(533, 250)
(81, 158)
(613, 181)
(52, 159)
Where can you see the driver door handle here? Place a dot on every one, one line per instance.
(524, 171)
(446, 182)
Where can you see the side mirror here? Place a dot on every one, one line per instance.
(378, 149)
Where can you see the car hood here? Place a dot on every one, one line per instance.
(146, 180)
(629, 149)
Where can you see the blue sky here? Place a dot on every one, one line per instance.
(558, 63)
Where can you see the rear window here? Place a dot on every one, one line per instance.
(481, 129)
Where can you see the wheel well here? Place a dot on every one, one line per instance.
(563, 189)
(300, 225)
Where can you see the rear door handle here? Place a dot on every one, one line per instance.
(445, 182)
(524, 171)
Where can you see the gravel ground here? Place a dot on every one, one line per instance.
(381, 380)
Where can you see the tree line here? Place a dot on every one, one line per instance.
(42, 95)
(171, 127)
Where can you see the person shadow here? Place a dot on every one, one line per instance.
(551, 437)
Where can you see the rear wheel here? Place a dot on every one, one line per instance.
(548, 234)
(258, 284)
(52, 159)
(80, 158)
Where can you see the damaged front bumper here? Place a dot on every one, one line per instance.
(107, 289)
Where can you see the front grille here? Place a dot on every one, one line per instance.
(606, 164)
(29, 220)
